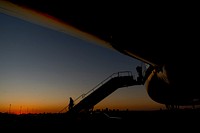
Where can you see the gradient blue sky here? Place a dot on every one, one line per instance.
(41, 68)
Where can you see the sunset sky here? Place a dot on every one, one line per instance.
(41, 68)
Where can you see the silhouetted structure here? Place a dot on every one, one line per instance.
(102, 90)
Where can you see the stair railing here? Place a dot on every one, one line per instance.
(82, 96)
(118, 74)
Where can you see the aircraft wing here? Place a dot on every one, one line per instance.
(136, 31)
(152, 34)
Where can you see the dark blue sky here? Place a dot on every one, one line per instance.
(41, 68)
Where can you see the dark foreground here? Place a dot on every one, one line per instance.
(126, 121)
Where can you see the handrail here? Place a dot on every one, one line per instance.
(118, 74)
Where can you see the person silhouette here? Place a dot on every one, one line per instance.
(71, 103)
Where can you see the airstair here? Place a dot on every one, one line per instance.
(117, 80)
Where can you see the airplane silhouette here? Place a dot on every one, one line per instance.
(163, 37)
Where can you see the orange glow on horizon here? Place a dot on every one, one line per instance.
(36, 109)
(27, 109)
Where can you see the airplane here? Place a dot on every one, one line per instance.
(163, 37)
